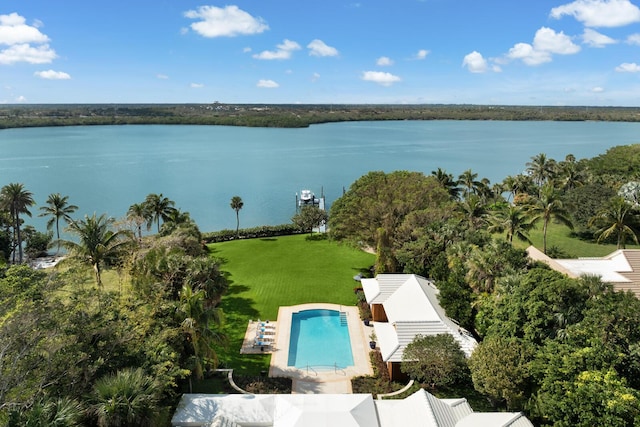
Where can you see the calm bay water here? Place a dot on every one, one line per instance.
(108, 168)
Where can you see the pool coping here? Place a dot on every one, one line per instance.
(357, 335)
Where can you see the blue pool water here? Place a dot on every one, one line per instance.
(319, 339)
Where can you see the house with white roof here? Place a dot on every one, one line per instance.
(620, 268)
(404, 306)
(421, 409)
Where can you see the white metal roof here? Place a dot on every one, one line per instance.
(421, 409)
(608, 268)
(412, 308)
(281, 410)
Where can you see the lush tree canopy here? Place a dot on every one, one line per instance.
(371, 212)
(436, 361)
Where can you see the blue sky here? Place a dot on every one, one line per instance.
(537, 52)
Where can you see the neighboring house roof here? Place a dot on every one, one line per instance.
(281, 410)
(412, 308)
(495, 419)
(421, 409)
(620, 268)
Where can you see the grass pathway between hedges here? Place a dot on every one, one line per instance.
(265, 274)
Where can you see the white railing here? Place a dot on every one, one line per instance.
(315, 369)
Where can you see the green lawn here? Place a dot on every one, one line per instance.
(560, 236)
(265, 274)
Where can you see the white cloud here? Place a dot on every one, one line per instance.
(384, 61)
(545, 43)
(319, 48)
(14, 30)
(628, 67)
(382, 78)
(196, 85)
(284, 51)
(52, 75)
(267, 83)
(315, 77)
(162, 76)
(475, 63)
(422, 54)
(229, 21)
(548, 40)
(597, 89)
(599, 13)
(595, 39)
(21, 99)
(26, 53)
(24, 43)
(528, 55)
(634, 39)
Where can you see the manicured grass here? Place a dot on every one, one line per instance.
(560, 236)
(265, 274)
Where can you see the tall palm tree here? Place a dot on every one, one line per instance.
(615, 219)
(57, 208)
(197, 326)
(541, 168)
(98, 242)
(447, 181)
(548, 206)
(159, 208)
(17, 200)
(236, 205)
(475, 210)
(468, 180)
(514, 221)
(138, 214)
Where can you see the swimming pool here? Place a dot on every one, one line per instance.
(319, 339)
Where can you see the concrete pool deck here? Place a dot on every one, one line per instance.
(316, 380)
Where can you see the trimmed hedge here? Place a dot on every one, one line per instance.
(251, 233)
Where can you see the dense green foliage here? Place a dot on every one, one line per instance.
(381, 210)
(435, 360)
(78, 354)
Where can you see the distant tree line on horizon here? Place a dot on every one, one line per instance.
(290, 115)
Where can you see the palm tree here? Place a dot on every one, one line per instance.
(236, 205)
(447, 181)
(139, 214)
(541, 168)
(514, 221)
(52, 412)
(57, 208)
(159, 208)
(548, 206)
(196, 324)
(475, 210)
(204, 273)
(128, 398)
(615, 219)
(17, 200)
(468, 179)
(98, 243)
